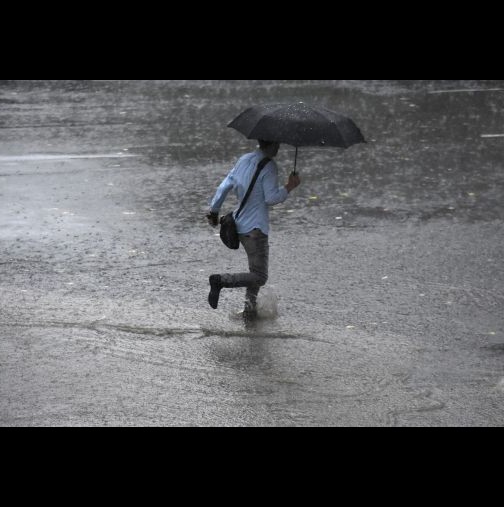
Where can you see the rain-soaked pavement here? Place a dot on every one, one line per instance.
(386, 293)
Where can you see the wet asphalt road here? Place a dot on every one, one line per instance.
(385, 300)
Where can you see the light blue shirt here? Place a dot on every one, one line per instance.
(267, 192)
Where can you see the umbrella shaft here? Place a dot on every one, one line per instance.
(295, 160)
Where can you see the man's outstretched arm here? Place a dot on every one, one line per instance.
(218, 200)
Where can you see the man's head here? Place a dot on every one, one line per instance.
(269, 148)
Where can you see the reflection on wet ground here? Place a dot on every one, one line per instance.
(385, 299)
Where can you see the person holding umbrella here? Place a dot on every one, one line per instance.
(253, 221)
(295, 124)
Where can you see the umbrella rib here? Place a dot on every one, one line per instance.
(346, 145)
(257, 127)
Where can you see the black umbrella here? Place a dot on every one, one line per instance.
(298, 125)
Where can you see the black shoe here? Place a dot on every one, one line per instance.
(215, 288)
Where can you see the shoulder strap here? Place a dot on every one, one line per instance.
(262, 164)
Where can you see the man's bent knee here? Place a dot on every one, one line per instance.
(261, 279)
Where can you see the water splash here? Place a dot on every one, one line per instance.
(267, 303)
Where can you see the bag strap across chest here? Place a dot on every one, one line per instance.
(262, 164)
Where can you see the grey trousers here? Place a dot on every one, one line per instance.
(257, 247)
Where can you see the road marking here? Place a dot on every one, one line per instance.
(492, 135)
(36, 158)
(468, 90)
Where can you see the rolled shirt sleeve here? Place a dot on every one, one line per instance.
(220, 196)
(274, 193)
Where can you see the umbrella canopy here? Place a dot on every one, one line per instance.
(298, 125)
